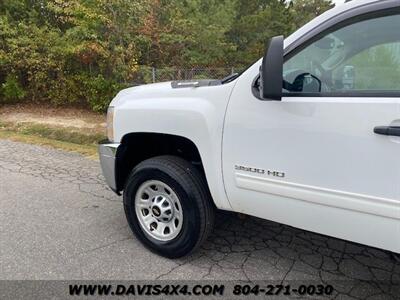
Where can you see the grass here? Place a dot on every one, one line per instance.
(69, 139)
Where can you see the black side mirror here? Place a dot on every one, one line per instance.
(271, 72)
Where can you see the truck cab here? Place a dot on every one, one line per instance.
(307, 136)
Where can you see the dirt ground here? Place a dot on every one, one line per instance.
(53, 117)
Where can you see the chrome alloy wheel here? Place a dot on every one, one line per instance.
(158, 210)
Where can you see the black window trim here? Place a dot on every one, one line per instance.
(363, 12)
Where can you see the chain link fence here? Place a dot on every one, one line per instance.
(145, 74)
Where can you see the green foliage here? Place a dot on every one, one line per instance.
(11, 90)
(256, 22)
(306, 10)
(81, 52)
(99, 91)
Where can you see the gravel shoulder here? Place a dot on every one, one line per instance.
(60, 117)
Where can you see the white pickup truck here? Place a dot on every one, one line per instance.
(308, 136)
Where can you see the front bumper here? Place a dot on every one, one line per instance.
(107, 154)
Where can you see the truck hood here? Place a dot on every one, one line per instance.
(165, 90)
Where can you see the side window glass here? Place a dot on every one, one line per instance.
(361, 57)
(375, 69)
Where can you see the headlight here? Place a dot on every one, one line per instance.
(110, 124)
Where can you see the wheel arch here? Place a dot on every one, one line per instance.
(136, 147)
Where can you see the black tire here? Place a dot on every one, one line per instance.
(395, 257)
(190, 187)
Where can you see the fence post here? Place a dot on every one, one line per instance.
(233, 70)
(153, 74)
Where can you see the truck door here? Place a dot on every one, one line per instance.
(326, 157)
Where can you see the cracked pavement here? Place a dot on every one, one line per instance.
(59, 221)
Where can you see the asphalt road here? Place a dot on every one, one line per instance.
(59, 221)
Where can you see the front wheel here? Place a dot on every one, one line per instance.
(168, 206)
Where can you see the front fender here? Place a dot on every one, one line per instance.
(196, 114)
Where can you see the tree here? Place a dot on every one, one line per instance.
(256, 22)
(305, 10)
(187, 33)
(82, 52)
(70, 51)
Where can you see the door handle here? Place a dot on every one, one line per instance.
(388, 130)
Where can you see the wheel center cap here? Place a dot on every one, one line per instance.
(156, 211)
